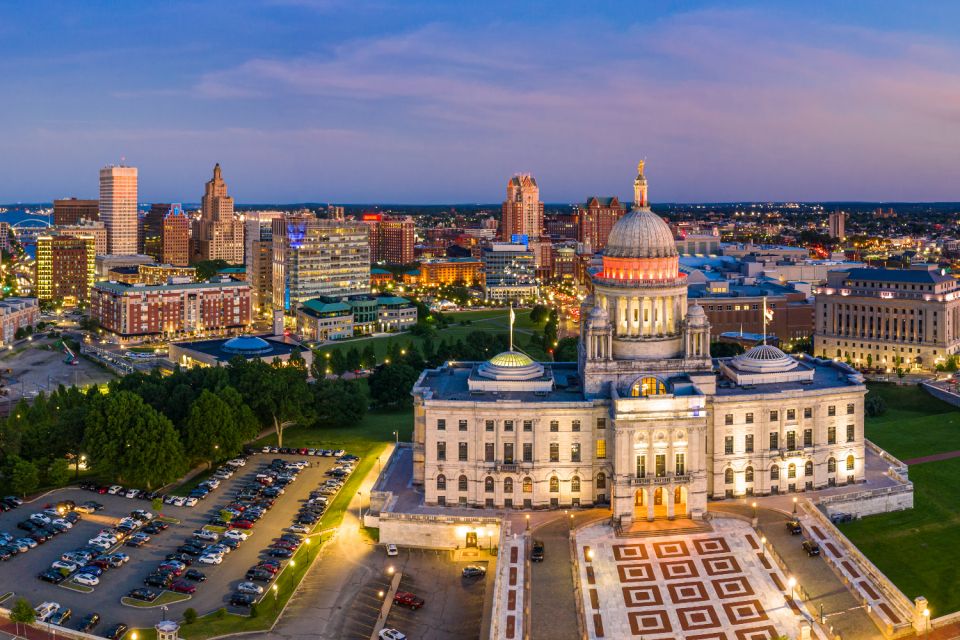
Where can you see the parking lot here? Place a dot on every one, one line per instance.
(35, 369)
(453, 605)
(20, 572)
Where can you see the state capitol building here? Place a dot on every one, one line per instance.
(645, 421)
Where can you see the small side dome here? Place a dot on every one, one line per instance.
(696, 316)
(247, 346)
(511, 359)
(510, 365)
(599, 315)
(764, 358)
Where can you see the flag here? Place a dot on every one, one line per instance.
(768, 314)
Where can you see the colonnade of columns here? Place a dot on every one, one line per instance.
(644, 316)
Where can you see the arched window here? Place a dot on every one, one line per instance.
(575, 484)
(748, 475)
(508, 485)
(601, 480)
(441, 482)
(774, 472)
(792, 471)
(832, 465)
(527, 485)
(554, 484)
(488, 484)
(648, 386)
(850, 463)
(462, 483)
(728, 476)
(808, 468)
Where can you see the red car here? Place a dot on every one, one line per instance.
(272, 567)
(182, 586)
(303, 452)
(103, 563)
(241, 524)
(407, 599)
(176, 570)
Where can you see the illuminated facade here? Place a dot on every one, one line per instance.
(118, 209)
(645, 421)
(65, 268)
(219, 234)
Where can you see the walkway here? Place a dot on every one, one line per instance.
(936, 457)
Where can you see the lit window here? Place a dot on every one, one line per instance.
(648, 386)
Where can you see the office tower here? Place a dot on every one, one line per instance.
(391, 238)
(87, 229)
(596, 218)
(118, 208)
(70, 211)
(258, 255)
(175, 242)
(150, 230)
(65, 268)
(838, 223)
(219, 233)
(509, 272)
(313, 258)
(522, 210)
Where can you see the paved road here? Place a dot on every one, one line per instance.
(210, 595)
(841, 609)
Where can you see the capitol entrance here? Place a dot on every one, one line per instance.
(660, 498)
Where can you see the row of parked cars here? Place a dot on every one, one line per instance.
(9, 503)
(37, 529)
(294, 451)
(53, 613)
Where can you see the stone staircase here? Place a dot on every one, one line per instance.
(662, 527)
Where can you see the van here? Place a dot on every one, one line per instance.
(46, 609)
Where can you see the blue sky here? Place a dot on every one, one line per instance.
(418, 102)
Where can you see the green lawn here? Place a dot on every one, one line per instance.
(915, 423)
(367, 440)
(919, 549)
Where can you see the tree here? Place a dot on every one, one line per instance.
(353, 359)
(22, 613)
(210, 431)
(190, 615)
(225, 515)
(725, 349)
(23, 474)
(390, 385)
(277, 394)
(339, 403)
(206, 269)
(58, 473)
(369, 358)
(338, 362)
(246, 423)
(874, 405)
(131, 442)
(539, 313)
(566, 351)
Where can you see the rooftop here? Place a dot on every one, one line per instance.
(224, 349)
(450, 382)
(121, 287)
(827, 374)
(909, 276)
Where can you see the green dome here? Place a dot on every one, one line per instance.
(511, 359)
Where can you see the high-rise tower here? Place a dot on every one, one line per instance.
(522, 210)
(118, 208)
(219, 233)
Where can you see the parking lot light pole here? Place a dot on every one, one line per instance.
(396, 438)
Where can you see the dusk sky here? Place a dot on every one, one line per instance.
(441, 102)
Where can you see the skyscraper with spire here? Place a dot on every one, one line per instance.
(218, 233)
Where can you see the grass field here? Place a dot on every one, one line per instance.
(367, 440)
(919, 550)
(493, 320)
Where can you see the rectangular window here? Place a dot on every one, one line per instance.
(441, 425)
(508, 452)
(554, 426)
(748, 443)
(508, 425)
(601, 449)
(661, 465)
(601, 423)
(791, 414)
(463, 425)
(641, 466)
(528, 425)
(728, 419)
(488, 451)
(575, 452)
(441, 451)
(554, 452)
(462, 452)
(808, 437)
(850, 409)
(850, 433)
(679, 466)
(791, 440)
(774, 441)
(749, 418)
(575, 425)
(728, 445)
(832, 410)
(774, 416)
(831, 435)
(528, 452)
(807, 412)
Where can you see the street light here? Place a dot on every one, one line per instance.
(396, 437)
(590, 555)
(794, 505)
(390, 570)
(754, 509)
(274, 593)
(926, 617)
(792, 583)
(528, 520)
(763, 546)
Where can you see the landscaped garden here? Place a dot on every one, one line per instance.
(919, 549)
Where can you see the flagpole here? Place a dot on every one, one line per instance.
(511, 325)
(764, 319)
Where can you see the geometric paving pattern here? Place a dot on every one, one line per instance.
(703, 586)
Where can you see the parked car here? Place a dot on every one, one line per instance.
(473, 571)
(88, 622)
(242, 599)
(280, 552)
(52, 576)
(407, 599)
(391, 634)
(183, 586)
(44, 610)
(839, 518)
(115, 632)
(249, 587)
(158, 580)
(811, 547)
(210, 559)
(86, 579)
(143, 594)
(392, 550)
(195, 574)
(793, 526)
(536, 552)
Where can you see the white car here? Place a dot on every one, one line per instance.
(41, 518)
(86, 579)
(115, 489)
(236, 534)
(219, 549)
(30, 542)
(392, 550)
(391, 634)
(295, 528)
(143, 513)
(203, 534)
(46, 609)
(63, 523)
(65, 564)
(237, 462)
(210, 559)
(132, 493)
(179, 501)
(190, 502)
(265, 450)
(249, 587)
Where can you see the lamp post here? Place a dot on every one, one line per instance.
(763, 546)
(794, 505)
(926, 626)
(792, 583)
(396, 438)
(528, 522)
(360, 507)
(754, 505)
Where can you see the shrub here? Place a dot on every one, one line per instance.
(221, 613)
(190, 615)
(254, 611)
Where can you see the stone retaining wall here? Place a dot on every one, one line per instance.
(941, 394)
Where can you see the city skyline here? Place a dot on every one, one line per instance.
(744, 102)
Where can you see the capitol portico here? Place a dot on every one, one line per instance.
(645, 421)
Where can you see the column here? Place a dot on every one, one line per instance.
(665, 314)
(649, 496)
(669, 491)
(635, 316)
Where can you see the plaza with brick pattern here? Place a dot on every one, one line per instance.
(713, 585)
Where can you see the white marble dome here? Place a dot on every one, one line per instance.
(764, 358)
(641, 234)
